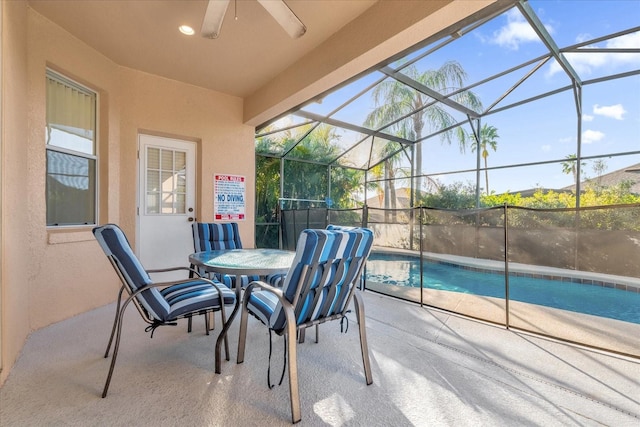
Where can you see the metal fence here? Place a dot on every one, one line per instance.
(570, 274)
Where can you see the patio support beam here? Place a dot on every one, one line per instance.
(351, 126)
(546, 38)
(429, 92)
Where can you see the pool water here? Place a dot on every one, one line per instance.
(404, 270)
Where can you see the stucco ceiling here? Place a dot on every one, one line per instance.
(252, 50)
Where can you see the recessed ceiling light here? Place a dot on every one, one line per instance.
(185, 29)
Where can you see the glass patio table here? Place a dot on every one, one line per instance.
(250, 262)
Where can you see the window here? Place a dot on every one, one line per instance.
(166, 181)
(71, 153)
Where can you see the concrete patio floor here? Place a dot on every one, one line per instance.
(430, 368)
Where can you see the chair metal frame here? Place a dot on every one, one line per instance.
(309, 275)
(121, 306)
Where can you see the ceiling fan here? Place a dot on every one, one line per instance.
(216, 10)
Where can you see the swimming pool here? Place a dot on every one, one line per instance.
(404, 270)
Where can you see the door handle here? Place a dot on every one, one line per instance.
(191, 219)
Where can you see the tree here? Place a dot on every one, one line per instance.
(570, 166)
(458, 195)
(302, 180)
(387, 170)
(488, 138)
(599, 168)
(394, 100)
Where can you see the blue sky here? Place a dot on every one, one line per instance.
(547, 129)
(540, 131)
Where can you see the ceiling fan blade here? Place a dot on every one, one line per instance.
(285, 17)
(213, 18)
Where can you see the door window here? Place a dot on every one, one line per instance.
(166, 185)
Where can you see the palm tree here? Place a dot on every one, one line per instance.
(394, 99)
(488, 139)
(570, 166)
(387, 170)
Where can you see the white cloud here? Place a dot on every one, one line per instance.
(612, 111)
(584, 62)
(567, 139)
(516, 32)
(546, 148)
(587, 118)
(590, 136)
(583, 37)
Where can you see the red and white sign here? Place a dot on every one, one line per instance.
(228, 197)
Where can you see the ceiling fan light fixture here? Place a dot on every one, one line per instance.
(213, 18)
(285, 17)
(186, 30)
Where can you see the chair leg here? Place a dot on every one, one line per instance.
(226, 324)
(206, 323)
(115, 322)
(189, 324)
(293, 365)
(302, 334)
(115, 347)
(212, 321)
(364, 347)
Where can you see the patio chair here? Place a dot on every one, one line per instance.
(277, 280)
(318, 288)
(216, 236)
(159, 304)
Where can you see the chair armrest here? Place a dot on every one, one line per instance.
(176, 282)
(286, 305)
(264, 286)
(165, 270)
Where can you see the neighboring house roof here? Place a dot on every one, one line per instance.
(531, 191)
(629, 173)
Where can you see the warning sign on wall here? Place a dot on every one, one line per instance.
(228, 197)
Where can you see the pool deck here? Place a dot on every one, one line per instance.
(430, 368)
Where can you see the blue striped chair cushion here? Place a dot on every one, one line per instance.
(114, 243)
(171, 302)
(194, 295)
(315, 247)
(262, 304)
(217, 236)
(275, 280)
(341, 227)
(231, 280)
(344, 227)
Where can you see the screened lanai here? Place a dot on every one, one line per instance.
(508, 143)
(549, 88)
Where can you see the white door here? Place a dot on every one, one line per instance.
(166, 203)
